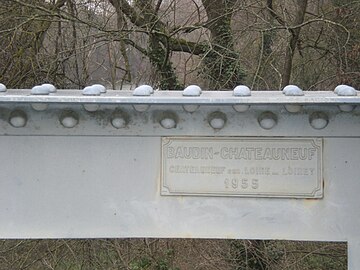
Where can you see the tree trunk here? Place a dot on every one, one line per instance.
(158, 50)
(121, 26)
(294, 39)
(222, 66)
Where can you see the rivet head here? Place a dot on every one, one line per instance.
(292, 90)
(242, 91)
(318, 120)
(3, 88)
(18, 119)
(346, 107)
(91, 107)
(168, 123)
(100, 87)
(143, 90)
(69, 119)
(293, 108)
(345, 90)
(40, 90)
(241, 107)
(192, 90)
(168, 119)
(217, 120)
(51, 88)
(91, 91)
(190, 107)
(267, 120)
(39, 106)
(119, 119)
(118, 122)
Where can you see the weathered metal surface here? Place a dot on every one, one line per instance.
(176, 97)
(198, 123)
(75, 166)
(250, 167)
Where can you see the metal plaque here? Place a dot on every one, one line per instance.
(252, 167)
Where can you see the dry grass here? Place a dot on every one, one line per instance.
(170, 254)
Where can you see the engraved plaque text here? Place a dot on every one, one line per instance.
(266, 167)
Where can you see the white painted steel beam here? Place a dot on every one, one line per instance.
(176, 98)
(216, 165)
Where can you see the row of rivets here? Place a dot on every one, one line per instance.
(191, 90)
(93, 107)
(244, 91)
(217, 120)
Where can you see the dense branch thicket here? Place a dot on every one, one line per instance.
(265, 44)
(171, 254)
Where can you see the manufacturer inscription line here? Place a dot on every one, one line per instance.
(196, 169)
(246, 153)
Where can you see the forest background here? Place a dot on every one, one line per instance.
(169, 44)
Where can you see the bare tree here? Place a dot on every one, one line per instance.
(218, 44)
(23, 31)
(221, 61)
(294, 41)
